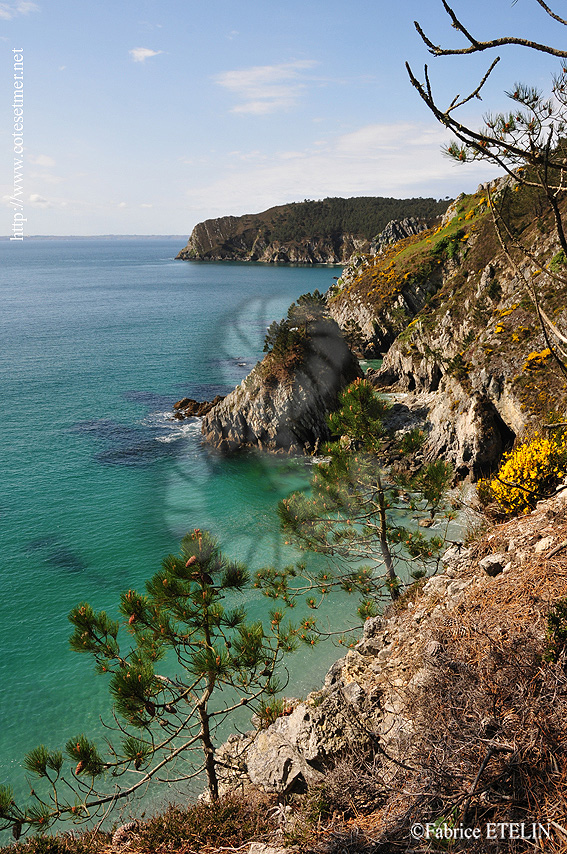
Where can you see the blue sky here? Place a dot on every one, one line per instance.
(146, 117)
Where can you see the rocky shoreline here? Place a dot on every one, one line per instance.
(371, 698)
(187, 407)
(283, 410)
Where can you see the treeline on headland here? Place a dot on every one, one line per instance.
(365, 216)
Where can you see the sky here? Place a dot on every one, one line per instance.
(147, 117)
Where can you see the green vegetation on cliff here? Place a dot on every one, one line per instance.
(364, 216)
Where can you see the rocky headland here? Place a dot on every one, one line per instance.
(310, 232)
(282, 405)
(450, 314)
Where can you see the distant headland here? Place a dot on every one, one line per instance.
(309, 232)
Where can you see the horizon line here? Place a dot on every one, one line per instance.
(87, 236)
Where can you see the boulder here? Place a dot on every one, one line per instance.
(187, 407)
(276, 765)
(494, 564)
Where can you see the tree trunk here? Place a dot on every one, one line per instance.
(209, 751)
(385, 548)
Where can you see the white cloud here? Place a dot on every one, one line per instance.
(140, 54)
(20, 7)
(399, 160)
(39, 201)
(41, 160)
(45, 164)
(265, 89)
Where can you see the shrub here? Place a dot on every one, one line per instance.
(556, 631)
(270, 711)
(528, 473)
(558, 261)
(494, 289)
(412, 441)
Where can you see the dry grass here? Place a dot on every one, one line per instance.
(487, 737)
(202, 828)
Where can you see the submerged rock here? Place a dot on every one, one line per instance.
(187, 407)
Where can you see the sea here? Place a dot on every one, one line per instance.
(99, 338)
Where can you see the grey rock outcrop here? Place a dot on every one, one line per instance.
(463, 428)
(293, 752)
(290, 415)
(380, 328)
(396, 230)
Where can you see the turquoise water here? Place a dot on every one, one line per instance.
(99, 339)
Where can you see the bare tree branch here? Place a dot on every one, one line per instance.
(552, 14)
(477, 46)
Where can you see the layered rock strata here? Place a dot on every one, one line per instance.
(216, 240)
(289, 414)
(396, 230)
(458, 331)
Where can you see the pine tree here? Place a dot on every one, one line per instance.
(164, 717)
(348, 512)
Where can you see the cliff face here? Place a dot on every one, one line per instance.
(286, 413)
(216, 240)
(326, 232)
(452, 680)
(458, 332)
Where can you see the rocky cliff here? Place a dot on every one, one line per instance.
(435, 712)
(283, 403)
(215, 240)
(325, 232)
(451, 315)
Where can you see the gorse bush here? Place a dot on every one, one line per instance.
(527, 474)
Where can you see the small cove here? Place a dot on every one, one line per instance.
(100, 338)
